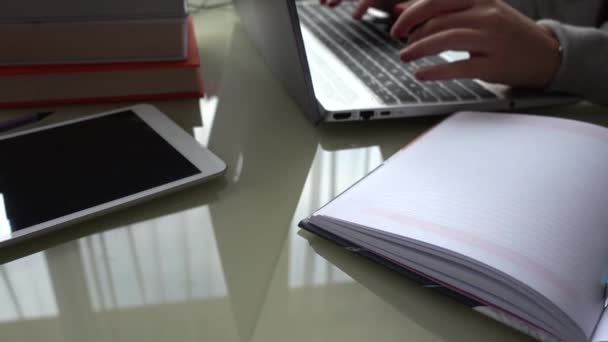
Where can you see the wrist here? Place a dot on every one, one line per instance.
(554, 56)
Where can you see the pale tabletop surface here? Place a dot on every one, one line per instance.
(225, 261)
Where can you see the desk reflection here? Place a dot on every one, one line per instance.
(171, 259)
(26, 291)
(268, 146)
(331, 173)
(149, 280)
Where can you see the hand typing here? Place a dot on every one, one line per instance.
(504, 45)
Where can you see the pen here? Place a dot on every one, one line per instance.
(22, 120)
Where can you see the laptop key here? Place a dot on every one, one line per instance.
(410, 68)
(404, 96)
(440, 92)
(416, 90)
(468, 84)
(366, 78)
(400, 92)
(434, 60)
(375, 87)
(477, 89)
(459, 90)
(386, 97)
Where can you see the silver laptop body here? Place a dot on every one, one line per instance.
(339, 69)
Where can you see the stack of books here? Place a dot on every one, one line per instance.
(78, 51)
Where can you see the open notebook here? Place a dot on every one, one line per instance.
(507, 211)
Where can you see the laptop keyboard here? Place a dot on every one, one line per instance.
(373, 55)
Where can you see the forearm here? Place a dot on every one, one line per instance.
(583, 68)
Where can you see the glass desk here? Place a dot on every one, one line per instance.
(225, 261)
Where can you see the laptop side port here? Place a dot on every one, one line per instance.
(341, 116)
(385, 113)
(366, 114)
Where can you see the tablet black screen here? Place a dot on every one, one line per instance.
(56, 172)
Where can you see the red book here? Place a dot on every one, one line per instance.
(43, 85)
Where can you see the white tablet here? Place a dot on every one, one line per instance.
(60, 174)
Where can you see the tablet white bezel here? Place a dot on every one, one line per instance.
(207, 163)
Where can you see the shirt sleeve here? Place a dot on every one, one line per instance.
(583, 70)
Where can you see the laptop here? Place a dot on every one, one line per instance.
(340, 69)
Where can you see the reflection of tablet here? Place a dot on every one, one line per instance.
(63, 173)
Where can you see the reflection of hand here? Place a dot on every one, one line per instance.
(390, 6)
(505, 46)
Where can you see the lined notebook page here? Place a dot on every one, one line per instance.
(526, 195)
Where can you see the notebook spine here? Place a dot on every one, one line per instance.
(493, 312)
